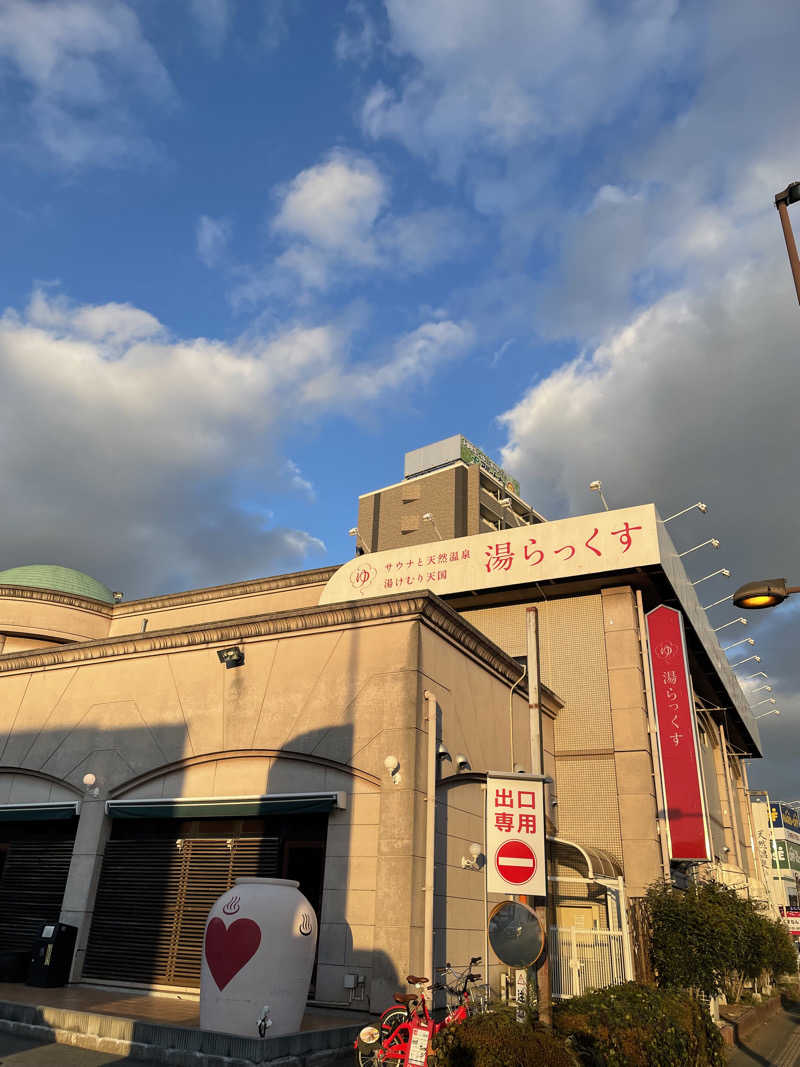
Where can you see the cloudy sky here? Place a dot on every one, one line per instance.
(255, 251)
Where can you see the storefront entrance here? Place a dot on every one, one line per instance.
(160, 877)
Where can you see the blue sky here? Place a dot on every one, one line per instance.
(255, 251)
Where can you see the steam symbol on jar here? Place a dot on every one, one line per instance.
(306, 925)
(232, 906)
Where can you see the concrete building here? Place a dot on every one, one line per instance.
(154, 750)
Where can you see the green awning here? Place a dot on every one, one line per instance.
(37, 812)
(225, 807)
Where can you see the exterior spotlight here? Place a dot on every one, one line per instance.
(723, 570)
(231, 657)
(355, 532)
(753, 596)
(758, 674)
(713, 541)
(790, 195)
(772, 711)
(519, 769)
(744, 641)
(442, 753)
(428, 517)
(392, 765)
(117, 597)
(763, 688)
(766, 700)
(462, 763)
(90, 782)
(597, 487)
(731, 623)
(476, 860)
(701, 507)
(725, 599)
(741, 661)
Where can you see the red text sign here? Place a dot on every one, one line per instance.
(673, 697)
(515, 835)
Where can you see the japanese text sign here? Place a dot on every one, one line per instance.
(515, 836)
(589, 544)
(677, 735)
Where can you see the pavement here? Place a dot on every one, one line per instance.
(18, 1052)
(774, 1044)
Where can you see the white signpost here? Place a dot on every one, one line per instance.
(515, 835)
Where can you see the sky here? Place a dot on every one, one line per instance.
(255, 251)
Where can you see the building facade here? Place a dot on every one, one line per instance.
(144, 767)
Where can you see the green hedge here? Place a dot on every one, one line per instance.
(634, 1025)
(498, 1040)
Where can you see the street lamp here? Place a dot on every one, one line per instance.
(790, 195)
(764, 594)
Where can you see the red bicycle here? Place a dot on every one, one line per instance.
(405, 1032)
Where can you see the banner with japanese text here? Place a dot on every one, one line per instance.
(677, 735)
(588, 544)
(515, 835)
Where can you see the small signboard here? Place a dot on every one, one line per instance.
(515, 835)
(418, 1046)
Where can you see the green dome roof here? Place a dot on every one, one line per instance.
(59, 579)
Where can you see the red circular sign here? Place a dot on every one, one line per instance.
(515, 862)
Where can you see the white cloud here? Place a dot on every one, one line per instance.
(148, 460)
(489, 77)
(213, 237)
(358, 36)
(336, 217)
(74, 64)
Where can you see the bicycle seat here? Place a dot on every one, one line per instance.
(405, 998)
(412, 979)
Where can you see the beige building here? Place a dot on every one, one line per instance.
(141, 770)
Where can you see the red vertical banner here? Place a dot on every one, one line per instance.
(677, 735)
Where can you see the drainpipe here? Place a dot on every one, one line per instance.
(511, 718)
(430, 829)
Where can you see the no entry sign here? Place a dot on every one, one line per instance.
(515, 835)
(515, 862)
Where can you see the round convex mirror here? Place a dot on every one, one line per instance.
(515, 934)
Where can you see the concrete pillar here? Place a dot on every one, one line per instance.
(77, 906)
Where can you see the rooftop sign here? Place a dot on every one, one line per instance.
(589, 544)
(451, 449)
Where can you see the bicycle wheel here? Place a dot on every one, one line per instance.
(390, 1020)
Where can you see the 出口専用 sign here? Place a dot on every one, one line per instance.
(515, 836)
(677, 735)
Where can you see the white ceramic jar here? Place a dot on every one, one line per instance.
(258, 952)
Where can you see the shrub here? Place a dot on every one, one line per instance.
(496, 1039)
(635, 1025)
(708, 938)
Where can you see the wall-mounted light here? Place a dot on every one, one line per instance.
(742, 661)
(428, 517)
(597, 487)
(355, 532)
(763, 688)
(90, 783)
(733, 622)
(766, 700)
(724, 600)
(744, 641)
(231, 657)
(723, 570)
(772, 711)
(711, 541)
(392, 765)
(701, 507)
(462, 763)
(476, 862)
(442, 753)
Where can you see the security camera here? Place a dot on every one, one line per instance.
(462, 763)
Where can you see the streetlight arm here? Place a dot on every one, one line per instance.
(781, 203)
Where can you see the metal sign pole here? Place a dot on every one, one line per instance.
(539, 905)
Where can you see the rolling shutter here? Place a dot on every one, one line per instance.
(153, 899)
(34, 876)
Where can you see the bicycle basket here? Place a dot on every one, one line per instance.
(369, 1039)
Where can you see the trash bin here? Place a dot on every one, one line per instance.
(51, 955)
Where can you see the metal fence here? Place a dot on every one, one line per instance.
(581, 960)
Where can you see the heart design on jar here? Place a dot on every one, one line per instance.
(229, 948)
